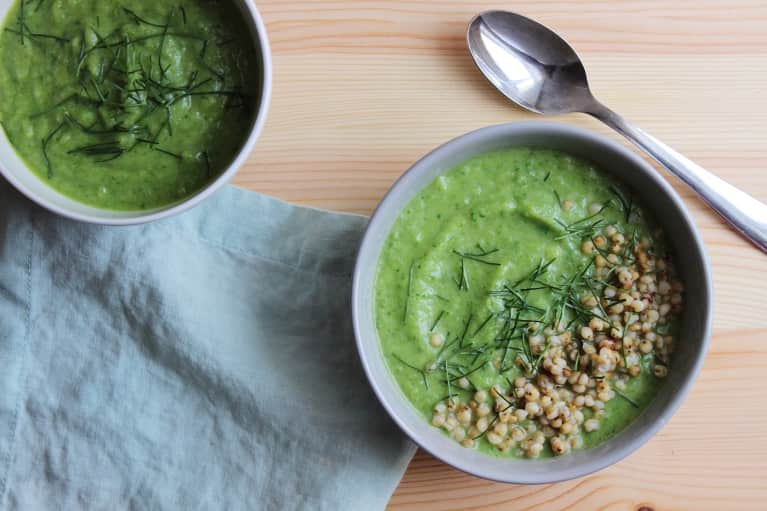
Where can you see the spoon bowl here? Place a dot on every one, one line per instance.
(508, 50)
(534, 67)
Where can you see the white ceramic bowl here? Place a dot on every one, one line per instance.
(16, 172)
(685, 243)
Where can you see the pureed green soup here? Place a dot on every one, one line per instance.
(127, 106)
(526, 304)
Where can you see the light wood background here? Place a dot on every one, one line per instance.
(364, 88)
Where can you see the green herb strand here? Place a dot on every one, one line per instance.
(436, 321)
(46, 141)
(624, 396)
(409, 288)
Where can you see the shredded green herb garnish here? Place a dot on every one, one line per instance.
(510, 404)
(177, 156)
(37, 35)
(409, 288)
(125, 84)
(139, 20)
(467, 373)
(624, 396)
(583, 228)
(538, 361)
(489, 425)
(626, 203)
(103, 151)
(444, 348)
(160, 47)
(423, 374)
(436, 321)
(22, 23)
(463, 280)
(623, 339)
(46, 141)
(482, 325)
(466, 329)
(478, 257)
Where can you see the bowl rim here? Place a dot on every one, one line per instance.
(210, 188)
(595, 464)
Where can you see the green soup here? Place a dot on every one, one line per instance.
(504, 250)
(127, 106)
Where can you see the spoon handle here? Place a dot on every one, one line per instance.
(746, 214)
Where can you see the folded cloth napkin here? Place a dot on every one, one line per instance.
(201, 362)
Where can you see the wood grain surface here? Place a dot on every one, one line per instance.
(364, 88)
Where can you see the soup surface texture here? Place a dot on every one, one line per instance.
(515, 283)
(127, 106)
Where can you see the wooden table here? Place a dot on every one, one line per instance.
(362, 88)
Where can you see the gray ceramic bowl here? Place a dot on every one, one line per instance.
(16, 172)
(654, 192)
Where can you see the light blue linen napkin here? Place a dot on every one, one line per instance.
(202, 362)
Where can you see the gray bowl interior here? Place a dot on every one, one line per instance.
(655, 195)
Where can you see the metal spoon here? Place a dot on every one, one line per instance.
(538, 70)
